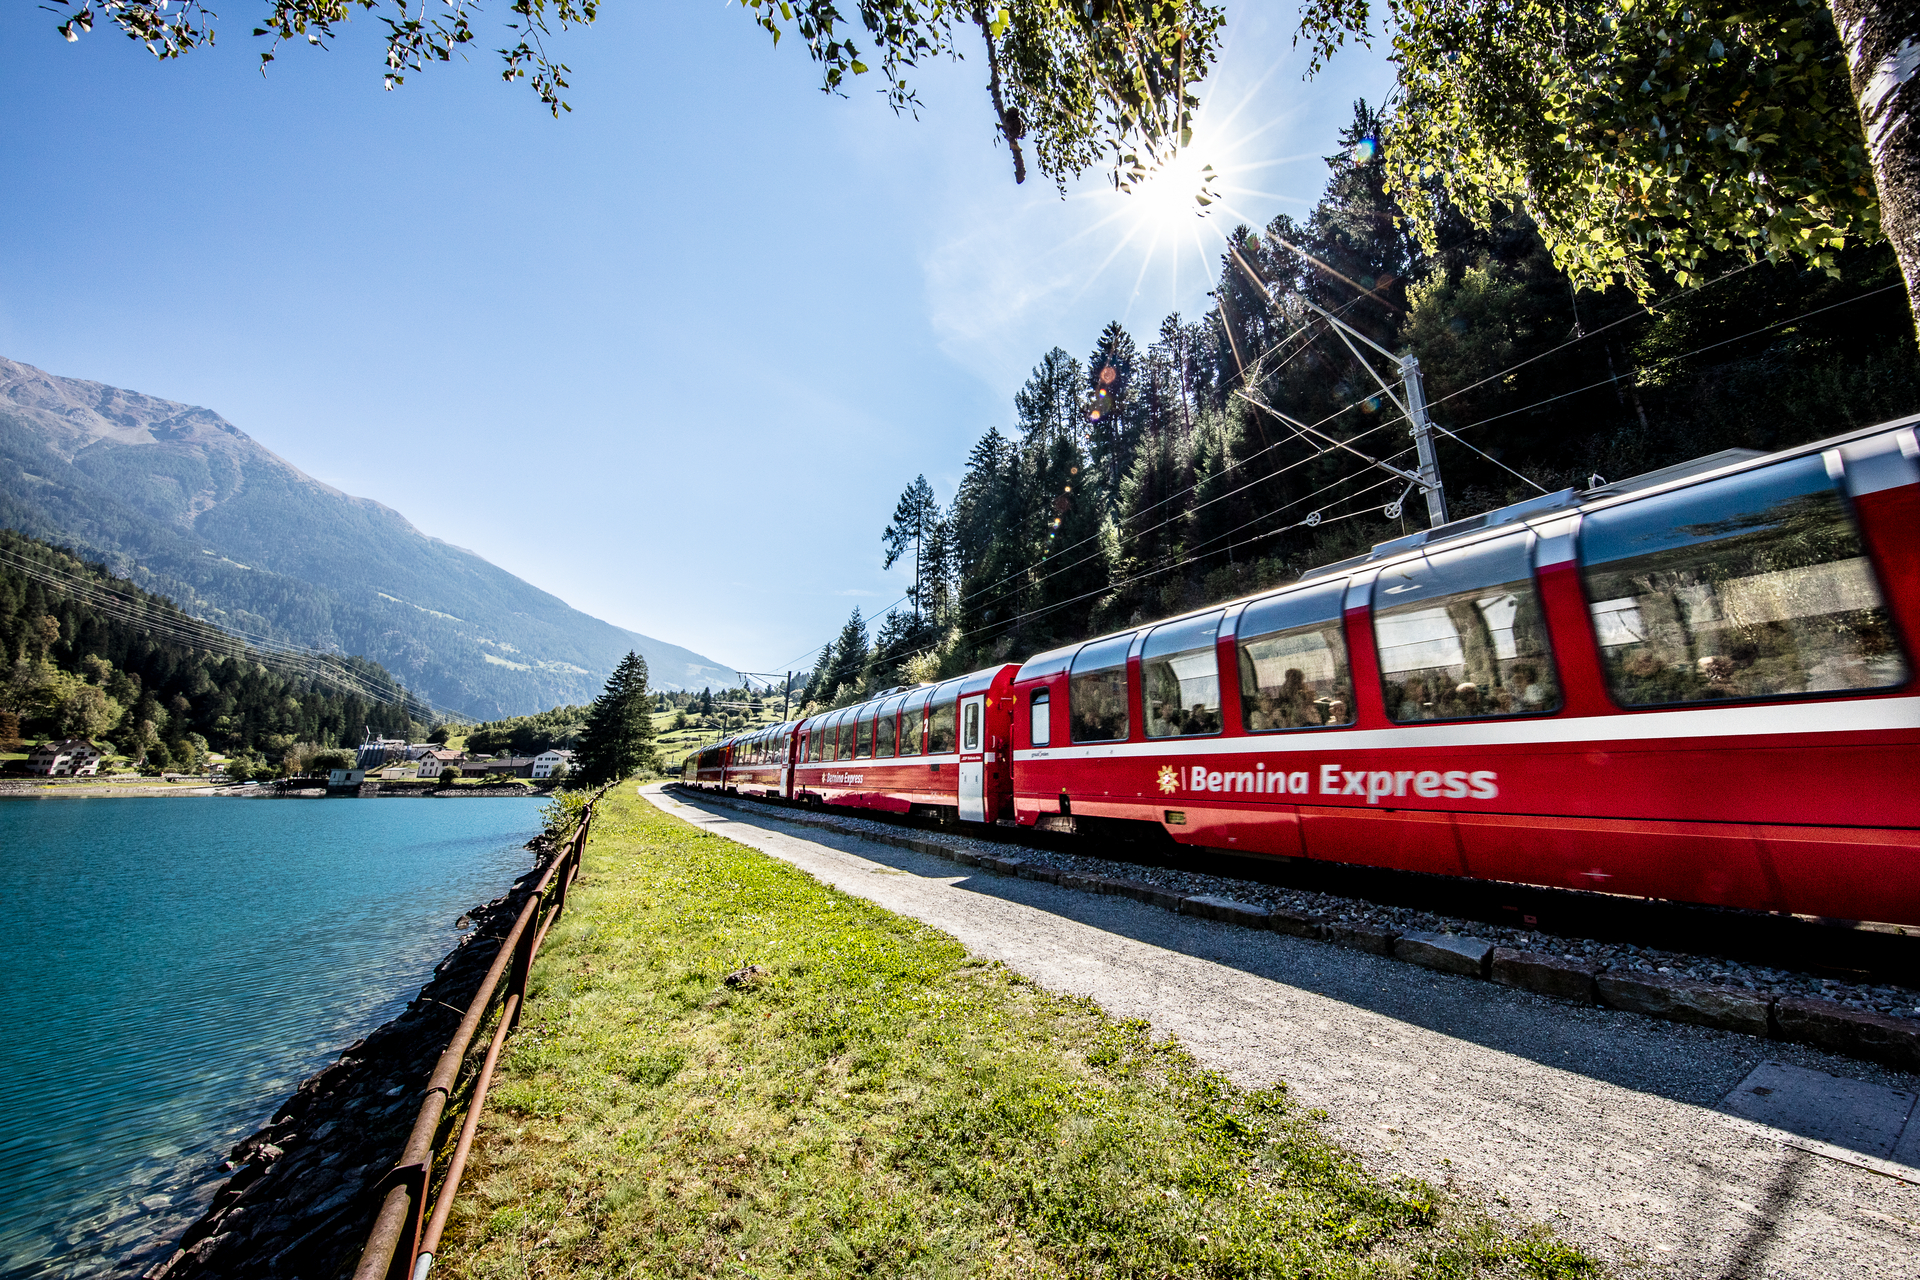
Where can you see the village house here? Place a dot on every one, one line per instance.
(69, 757)
(547, 761)
(437, 759)
(508, 766)
(346, 777)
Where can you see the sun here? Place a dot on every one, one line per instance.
(1178, 190)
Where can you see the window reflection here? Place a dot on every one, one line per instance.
(1461, 635)
(1097, 691)
(1180, 678)
(1753, 586)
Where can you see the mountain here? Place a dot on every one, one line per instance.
(186, 504)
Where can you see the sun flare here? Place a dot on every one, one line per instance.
(1178, 191)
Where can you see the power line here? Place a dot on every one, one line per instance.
(1685, 355)
(1307, 330)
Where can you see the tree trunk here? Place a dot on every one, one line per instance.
(1882, 39)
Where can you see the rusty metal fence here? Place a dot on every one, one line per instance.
(405, 1237)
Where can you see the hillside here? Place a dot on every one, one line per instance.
(85, 654)
(189, 506)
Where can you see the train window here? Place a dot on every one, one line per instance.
(913, 724)
(940, 722)
(1097, 691)
(846, 736)
(863, 734)
(884, 730)
(1461, 635)
(970, 727)
(1180, 678)
(1293, 662)
(1755, 586)
(1041, 717)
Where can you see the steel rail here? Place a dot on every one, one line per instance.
(403, 1220)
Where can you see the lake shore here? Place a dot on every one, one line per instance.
(24, 789)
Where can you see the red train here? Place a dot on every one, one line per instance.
(1695, 684)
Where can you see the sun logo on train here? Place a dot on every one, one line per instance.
(1169, 779)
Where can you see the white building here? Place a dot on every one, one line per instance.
(438, 759)
(69, 757)
(547, 761)
(346, 777)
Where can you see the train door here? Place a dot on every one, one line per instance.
(973, 760)
(786, 766)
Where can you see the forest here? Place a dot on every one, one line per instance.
(89, 655)
(1168, 472)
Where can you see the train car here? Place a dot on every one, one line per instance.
(932, 750)
(1697, 684)
(707, 767)
(761, 762)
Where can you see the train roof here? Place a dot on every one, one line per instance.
(957, 687)
(1564, 502)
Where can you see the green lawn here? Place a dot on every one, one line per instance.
(873, 1101)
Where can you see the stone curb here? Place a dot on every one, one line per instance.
(1545, 975)
(1854, 1032)
(1449, 953)
(1684, 1000)
(1824, 1024)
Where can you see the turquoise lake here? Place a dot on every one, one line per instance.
(173, 967)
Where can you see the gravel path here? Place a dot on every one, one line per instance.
(1597, 1122)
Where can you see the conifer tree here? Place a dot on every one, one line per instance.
(914, 517)
(849, 654)
(1049, 404)
(618, 738)
(1112, 431)
(820, 683)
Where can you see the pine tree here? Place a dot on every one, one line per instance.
(849, 655)
(1113, 434)
(1049, 404)
(914, 517)
(618, 738)
(820, 684)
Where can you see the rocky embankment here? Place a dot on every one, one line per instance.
(305, 1188)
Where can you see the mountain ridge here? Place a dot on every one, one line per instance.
(187, 504)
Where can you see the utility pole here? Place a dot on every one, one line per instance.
(1422, 432)
(786, 696)
(1413, 403)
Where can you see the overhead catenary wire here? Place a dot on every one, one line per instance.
(1452, 433)
(1684, 355)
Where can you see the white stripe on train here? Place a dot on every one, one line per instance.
(1858, 715)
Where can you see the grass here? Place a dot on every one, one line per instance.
(874, 1101)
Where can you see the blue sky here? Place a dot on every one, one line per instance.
(672, 357)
